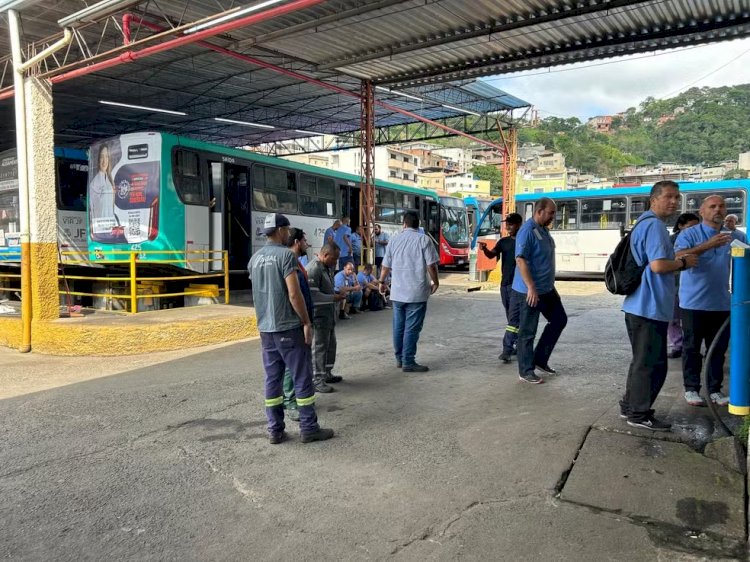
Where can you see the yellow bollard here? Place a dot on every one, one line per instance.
(226, 277)
(133, 284)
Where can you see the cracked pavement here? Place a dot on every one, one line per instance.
(171, 460)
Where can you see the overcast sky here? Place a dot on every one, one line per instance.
(612, 85)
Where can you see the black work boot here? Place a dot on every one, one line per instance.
(320, 435)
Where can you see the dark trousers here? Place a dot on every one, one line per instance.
(550, 306)
(512, 314)
(648, 368)
(279, 351)
(699, 326)
(378, 265)
(324, 347)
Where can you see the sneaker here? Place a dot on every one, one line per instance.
(546, 369)
(292, 414)
(532, 378)
(694, 399)
(675, 353)
(320, 435)
(718, 398)
(344, 316)
(333, 379)
(651, 423)
(276, 438)
(505, 358)
(416, 368)
(322, 388)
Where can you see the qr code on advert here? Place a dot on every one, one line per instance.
(134, 226)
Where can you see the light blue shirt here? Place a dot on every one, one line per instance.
(364, 279)
(535, 244)
(356, 244)
(330, 233)
(342, 280)
(342, 233)
(654, 297)
(738, 235)
(705, 286)
(409, 255)
(380, 248)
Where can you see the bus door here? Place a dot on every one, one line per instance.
(431, 215)
(216, 207)
(237, 216)
(354, 206)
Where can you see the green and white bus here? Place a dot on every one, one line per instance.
(152, 192)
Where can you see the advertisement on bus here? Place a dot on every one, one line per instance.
(123, 190)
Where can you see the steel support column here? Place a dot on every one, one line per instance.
(510, 152)
(367, 159)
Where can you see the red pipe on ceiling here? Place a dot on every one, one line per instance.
(311, 80)
(130, 56)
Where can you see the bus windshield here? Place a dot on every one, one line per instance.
(453, 222)
(491, 223)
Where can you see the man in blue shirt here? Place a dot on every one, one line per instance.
(705, 300)
(371, 297)
(345, 283)
(380, 241)
(534, 293)
(356, 249)
(329, 236)
(343, 239)
(649, 308)
(730, 225)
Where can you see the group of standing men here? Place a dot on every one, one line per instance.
(701, 255)
(296, 311)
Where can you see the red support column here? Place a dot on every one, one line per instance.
(367, 159)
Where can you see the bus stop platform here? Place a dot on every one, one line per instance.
(102, 333)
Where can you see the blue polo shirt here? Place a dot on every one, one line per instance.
(342, 233)
(534, 244)
(341, 279)
(705, 286)
(364, 279)
(654, 297)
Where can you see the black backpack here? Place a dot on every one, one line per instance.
(622, 274)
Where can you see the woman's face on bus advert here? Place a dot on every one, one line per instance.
(104, 159)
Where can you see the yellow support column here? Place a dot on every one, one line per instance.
(40, 151)
(226, 277)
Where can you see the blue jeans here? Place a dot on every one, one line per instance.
(550, 306)
(408, 318)
(354, 299)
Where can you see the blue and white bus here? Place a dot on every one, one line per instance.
(589, 224)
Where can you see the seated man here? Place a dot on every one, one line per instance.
(345, 282)
(371, 299)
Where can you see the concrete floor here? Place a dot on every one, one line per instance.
(169, 460)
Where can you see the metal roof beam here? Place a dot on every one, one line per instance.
(564, 11)
(299, 28)
(576, 50)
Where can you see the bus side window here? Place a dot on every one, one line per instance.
(317, 196)
(638, 206)
(566, 217)
(274, 190)
(187, 178)
(602, 213)
(385, 206)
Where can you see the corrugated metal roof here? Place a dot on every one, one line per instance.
(430, 50)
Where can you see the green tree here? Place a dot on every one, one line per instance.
(491, 173)
(736, 175)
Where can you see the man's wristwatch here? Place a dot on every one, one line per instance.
(684, 263)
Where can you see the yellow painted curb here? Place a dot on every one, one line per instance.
(70, 337)
(739, 410)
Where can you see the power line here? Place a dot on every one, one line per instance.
(677, 91)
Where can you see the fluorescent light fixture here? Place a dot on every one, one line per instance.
(142, 107)
(233, 15)
(402, 94)
(96, 12)
(247, 123)
(454, 108)
(307, 132)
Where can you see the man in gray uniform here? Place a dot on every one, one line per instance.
(285, 332)
(320, 276)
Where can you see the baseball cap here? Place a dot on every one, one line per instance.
(274, 221)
